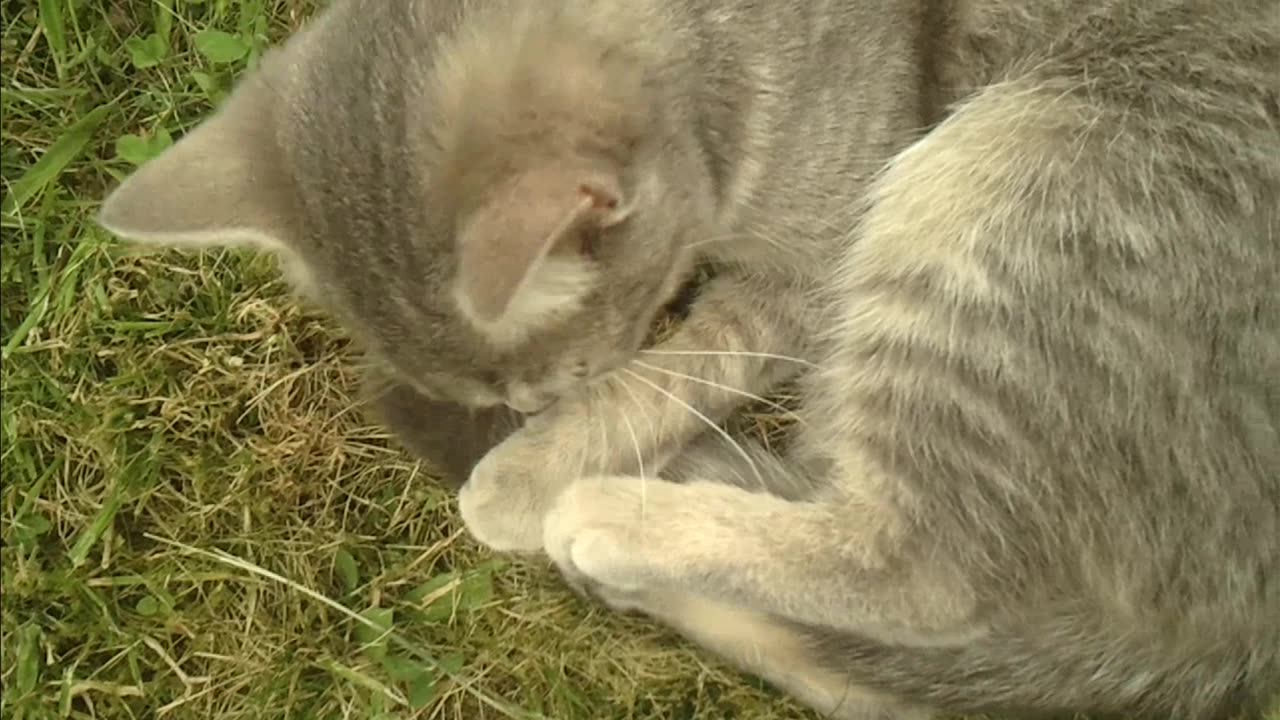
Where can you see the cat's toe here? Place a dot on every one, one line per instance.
(601, 554)
(620, 601)
(498, 512)
(595, 530)
(616, 600)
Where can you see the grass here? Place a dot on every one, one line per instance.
(197, 521)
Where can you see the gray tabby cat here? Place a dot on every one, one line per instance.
(1023, 256)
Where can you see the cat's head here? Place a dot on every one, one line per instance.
(496, 206)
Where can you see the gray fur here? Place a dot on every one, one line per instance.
(1026, 258)
(451, 437)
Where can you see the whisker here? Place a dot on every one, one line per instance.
(586, 451)
(653, 430)
(742, 353)
(635, 442)
(653, 435)
(719, 386)
(719, 430)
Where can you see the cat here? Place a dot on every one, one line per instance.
(1022, 260)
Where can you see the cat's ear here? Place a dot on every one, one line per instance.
(526, 251)
(223, 183)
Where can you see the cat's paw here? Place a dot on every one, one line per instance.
(637, 602)
(512, 488)
(506, 497)
(601, 529)
(616, 600)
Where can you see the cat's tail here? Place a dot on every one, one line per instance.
(1068, 663)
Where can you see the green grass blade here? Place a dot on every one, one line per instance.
(56, 159)
(53, 22)
(358, 678)
(38, 309)
(163, 14)
(27, 674)
(79, 553)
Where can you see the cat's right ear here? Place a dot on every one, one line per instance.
(221, 184)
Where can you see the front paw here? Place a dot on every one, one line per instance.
(506, 497)
(601, 532)
(619, 601)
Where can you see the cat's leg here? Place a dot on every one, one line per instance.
(755, 642)
(747, 464)
(739, 341)
(767, 648)
(734, 523)
(839, 563)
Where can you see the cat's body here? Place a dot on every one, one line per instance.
(1032, 251)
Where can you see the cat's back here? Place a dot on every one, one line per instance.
(809, 118)
(1083, 262)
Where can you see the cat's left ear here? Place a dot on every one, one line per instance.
(522, 254)
(223, 183)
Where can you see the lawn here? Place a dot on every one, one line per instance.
(198, 519)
